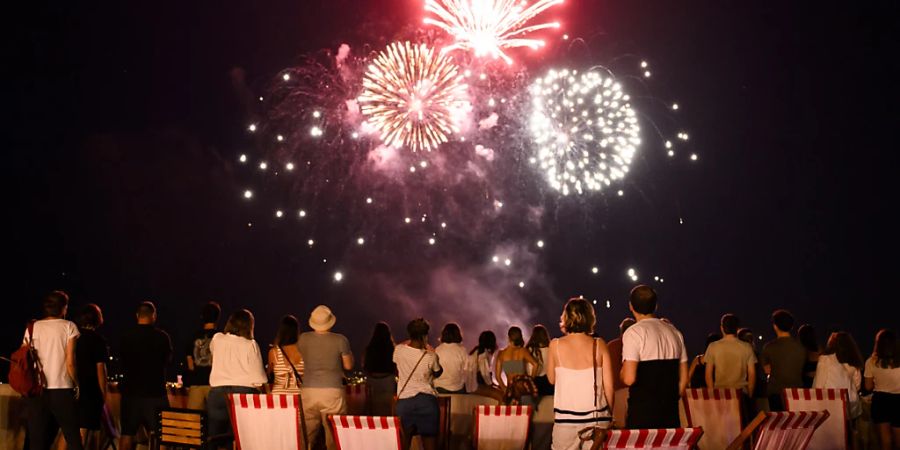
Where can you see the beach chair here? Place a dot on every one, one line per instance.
(789, 430)
(834, 433)
(718, 412)
(366, 432)
(180, 428)
(502, 427)
(661, 439)
(266, 421)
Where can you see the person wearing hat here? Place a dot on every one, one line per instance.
(326, 356)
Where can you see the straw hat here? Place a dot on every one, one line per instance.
(321, 318)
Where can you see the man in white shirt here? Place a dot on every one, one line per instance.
(654, 365)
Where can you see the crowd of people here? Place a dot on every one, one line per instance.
(582, 372)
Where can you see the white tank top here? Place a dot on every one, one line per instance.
(573, 398)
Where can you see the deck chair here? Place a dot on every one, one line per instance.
(366, 432)
(662, 439)
(180, 428)
(789, 430)
(718, 412)
(502, 427)
(266, 421)
(834, 434)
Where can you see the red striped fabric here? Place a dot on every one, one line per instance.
(655, 438)
(500, 410)
(367, 422)
(265, 401)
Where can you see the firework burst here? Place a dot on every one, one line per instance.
(584, 128)
(486, 27)
(413, 96)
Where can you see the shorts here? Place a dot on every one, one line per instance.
(137, 411)
(419, 415)
(886, 408)
(90, 409)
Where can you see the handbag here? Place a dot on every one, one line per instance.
(26, 375)
(519, 386)
(594, 434)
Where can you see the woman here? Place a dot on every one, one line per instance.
(840, 367)
(452, 356)
(806, 334)
(539, 347)
(580, 368)
(480, 359)
(285, 358)
(697, 371)
(417, 403)
(512, 360)
(237, 368)
(883, 377)
(91, 354)
(380, 370)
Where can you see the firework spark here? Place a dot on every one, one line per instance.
(413, 96)
(486, 27)
(584, 128)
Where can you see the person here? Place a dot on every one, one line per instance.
(697, 369)
(91, 354)
(513, 360)
(580, 368)
(806, 334)
(237, 368)
(453, 357)
(783, 359)
(285, 360)
(380, 370)
(145, 352)
(417, 366)
(839, 367)
(882, 376)
(730, 362)
(480, 363)
(539, 347)
(654, 365)
(615, 352)
(54, 339)
(746, 334)
(326, 356)
(198, 359)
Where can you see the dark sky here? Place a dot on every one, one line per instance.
(123, 131)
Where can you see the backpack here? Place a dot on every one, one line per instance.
(25, 374)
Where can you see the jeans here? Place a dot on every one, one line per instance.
(53, 409)
(217, 409)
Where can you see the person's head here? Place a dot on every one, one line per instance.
(842, 345)
(746, 334)
(288, 331)
(487, 342)
(55, 304)
(642, 300)
(381, 335)
(451, 334)
(515, 336)
(210, 312)
(712, 337)
(146, 313)
(240, 323)
(540, 338)
(887, 353)
(783, 320)
(90, 317)
(578, 316)
(729, 324)
(322, 319)
(807, 336)
(625, 324)
(417, 329)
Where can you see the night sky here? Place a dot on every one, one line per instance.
(124, 131)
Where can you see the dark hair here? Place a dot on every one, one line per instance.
(380, 350)
(783, 320)
(625, 324)
(451, 334)
(288, 331)
(417, 329)
(712, 337)
(730, 323)
(240, 323)
(89, 317)
(539, 339)
(643, 299)
(515, 336)
(886, 353)
(578, 316)
(487, 342)
(807, 336)
(744, 332)
(146, 309)
(842, 345)
(210, 312)
(55, 303)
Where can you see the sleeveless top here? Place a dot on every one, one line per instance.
(573, 400)
(513, 367)
(285, 380)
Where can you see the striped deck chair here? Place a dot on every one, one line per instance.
(663, 438)
(789, 430)
(718, 412)
(357, 399)
(266, 421)
(366, 432)
(502, 427)
(834, 434)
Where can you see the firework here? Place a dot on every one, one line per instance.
(486, 27)
(413, 96)
(584, 129)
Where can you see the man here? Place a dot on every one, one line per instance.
(326, 356)
(782, 359)
(654, 365)
(730, 362)
(54, 340)
(199, 358)
(145, 352)
(615, 351)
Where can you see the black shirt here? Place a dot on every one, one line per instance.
(198, 349)
(145, 352)
(90, 349)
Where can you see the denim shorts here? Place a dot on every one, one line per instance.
(419, 415)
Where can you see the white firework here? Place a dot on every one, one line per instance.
(584, 128)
